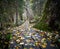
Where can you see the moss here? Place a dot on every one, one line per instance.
(42, 26)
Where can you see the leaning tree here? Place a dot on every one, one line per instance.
(50, 16)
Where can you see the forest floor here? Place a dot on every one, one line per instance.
(26, 37)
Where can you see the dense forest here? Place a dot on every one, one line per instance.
(29, 24)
